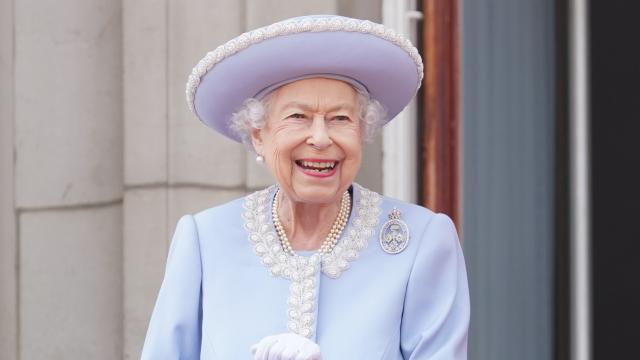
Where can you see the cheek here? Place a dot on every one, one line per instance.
(353, 159)
(278, 153)
(277, 141)
(278, 165)
(277, 156)
(351, 165)
(351, 145)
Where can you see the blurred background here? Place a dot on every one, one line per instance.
(524, 132)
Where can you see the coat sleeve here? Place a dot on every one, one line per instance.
(435, 319)
(175, 328)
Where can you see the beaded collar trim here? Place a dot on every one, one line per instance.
(296, 26)
(301, 270)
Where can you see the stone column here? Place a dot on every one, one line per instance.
(8, 241)
(174, 164)
(145, 158)
(68, 178)
(204, 168)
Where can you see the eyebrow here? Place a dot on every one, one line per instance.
(308, 107)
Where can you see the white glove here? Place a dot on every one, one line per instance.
(286, 347)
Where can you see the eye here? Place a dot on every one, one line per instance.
(341, 118)
(296, 116)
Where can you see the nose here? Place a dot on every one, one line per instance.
(319, 137)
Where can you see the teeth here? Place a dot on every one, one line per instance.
(318, 164)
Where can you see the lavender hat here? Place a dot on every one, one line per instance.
(367, 55)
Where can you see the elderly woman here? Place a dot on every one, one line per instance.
(316, 265)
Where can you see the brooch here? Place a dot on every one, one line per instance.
(394, 235)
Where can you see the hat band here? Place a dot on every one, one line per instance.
(351, 81)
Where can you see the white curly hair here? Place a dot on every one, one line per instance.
(252, 115)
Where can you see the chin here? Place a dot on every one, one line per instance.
(310, 189)
(318, 194)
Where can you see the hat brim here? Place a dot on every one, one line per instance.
(386, 71)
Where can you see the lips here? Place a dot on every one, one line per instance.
(317, 167)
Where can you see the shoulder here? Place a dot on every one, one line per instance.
(220, 213)
(410, 211)
(226, 222)
(419, 218)
(234, 207)
(430, 231)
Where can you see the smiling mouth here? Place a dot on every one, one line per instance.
(320, 167)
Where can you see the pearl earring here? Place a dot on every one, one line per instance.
(260, 159)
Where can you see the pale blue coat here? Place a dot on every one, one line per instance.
(220, 295)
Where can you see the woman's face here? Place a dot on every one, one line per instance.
(312, 140)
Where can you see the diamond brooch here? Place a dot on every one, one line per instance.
(394, 235)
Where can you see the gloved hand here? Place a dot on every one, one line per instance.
(286, 347)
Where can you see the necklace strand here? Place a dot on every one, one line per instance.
(334, 234)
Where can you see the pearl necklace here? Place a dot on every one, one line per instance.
(334, 234)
